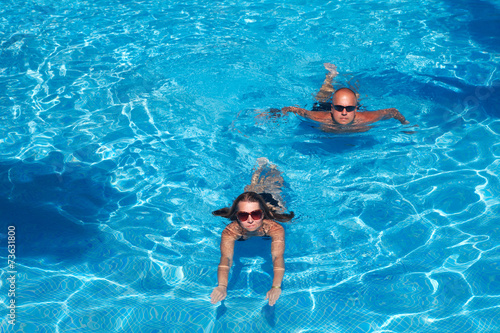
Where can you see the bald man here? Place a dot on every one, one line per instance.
(343, 115)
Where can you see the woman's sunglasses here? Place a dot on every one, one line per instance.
(341, 108)
(243, 216)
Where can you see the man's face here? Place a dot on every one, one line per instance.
(344, 98)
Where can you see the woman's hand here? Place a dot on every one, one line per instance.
(219, 294)
(273, 295)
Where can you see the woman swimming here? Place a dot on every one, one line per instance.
(252, 216)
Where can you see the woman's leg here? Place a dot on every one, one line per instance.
(267, 179)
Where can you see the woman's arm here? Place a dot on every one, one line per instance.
(226, 260)
(277, 251)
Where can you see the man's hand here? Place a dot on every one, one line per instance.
(397, 115)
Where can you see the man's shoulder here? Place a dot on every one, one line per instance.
(368, 116)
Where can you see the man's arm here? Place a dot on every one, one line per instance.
(393, 113)
(321, 116)
(367, 117)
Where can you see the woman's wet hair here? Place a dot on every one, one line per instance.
(270, 213)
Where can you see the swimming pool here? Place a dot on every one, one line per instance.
(126, 123)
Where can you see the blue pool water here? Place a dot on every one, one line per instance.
(124, 124)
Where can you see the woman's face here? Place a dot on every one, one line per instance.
(250, 215)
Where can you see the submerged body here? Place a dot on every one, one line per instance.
(343, 115)
(335, 121)
(242, 231)
(251, 216)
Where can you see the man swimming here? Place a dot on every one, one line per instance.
(343, 115)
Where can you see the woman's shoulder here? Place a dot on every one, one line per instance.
(273, 223)
(232, 230)
(273, 227)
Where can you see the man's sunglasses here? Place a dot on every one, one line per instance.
(341, 108)
(243, 216)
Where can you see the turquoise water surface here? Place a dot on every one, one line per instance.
(124, 124)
